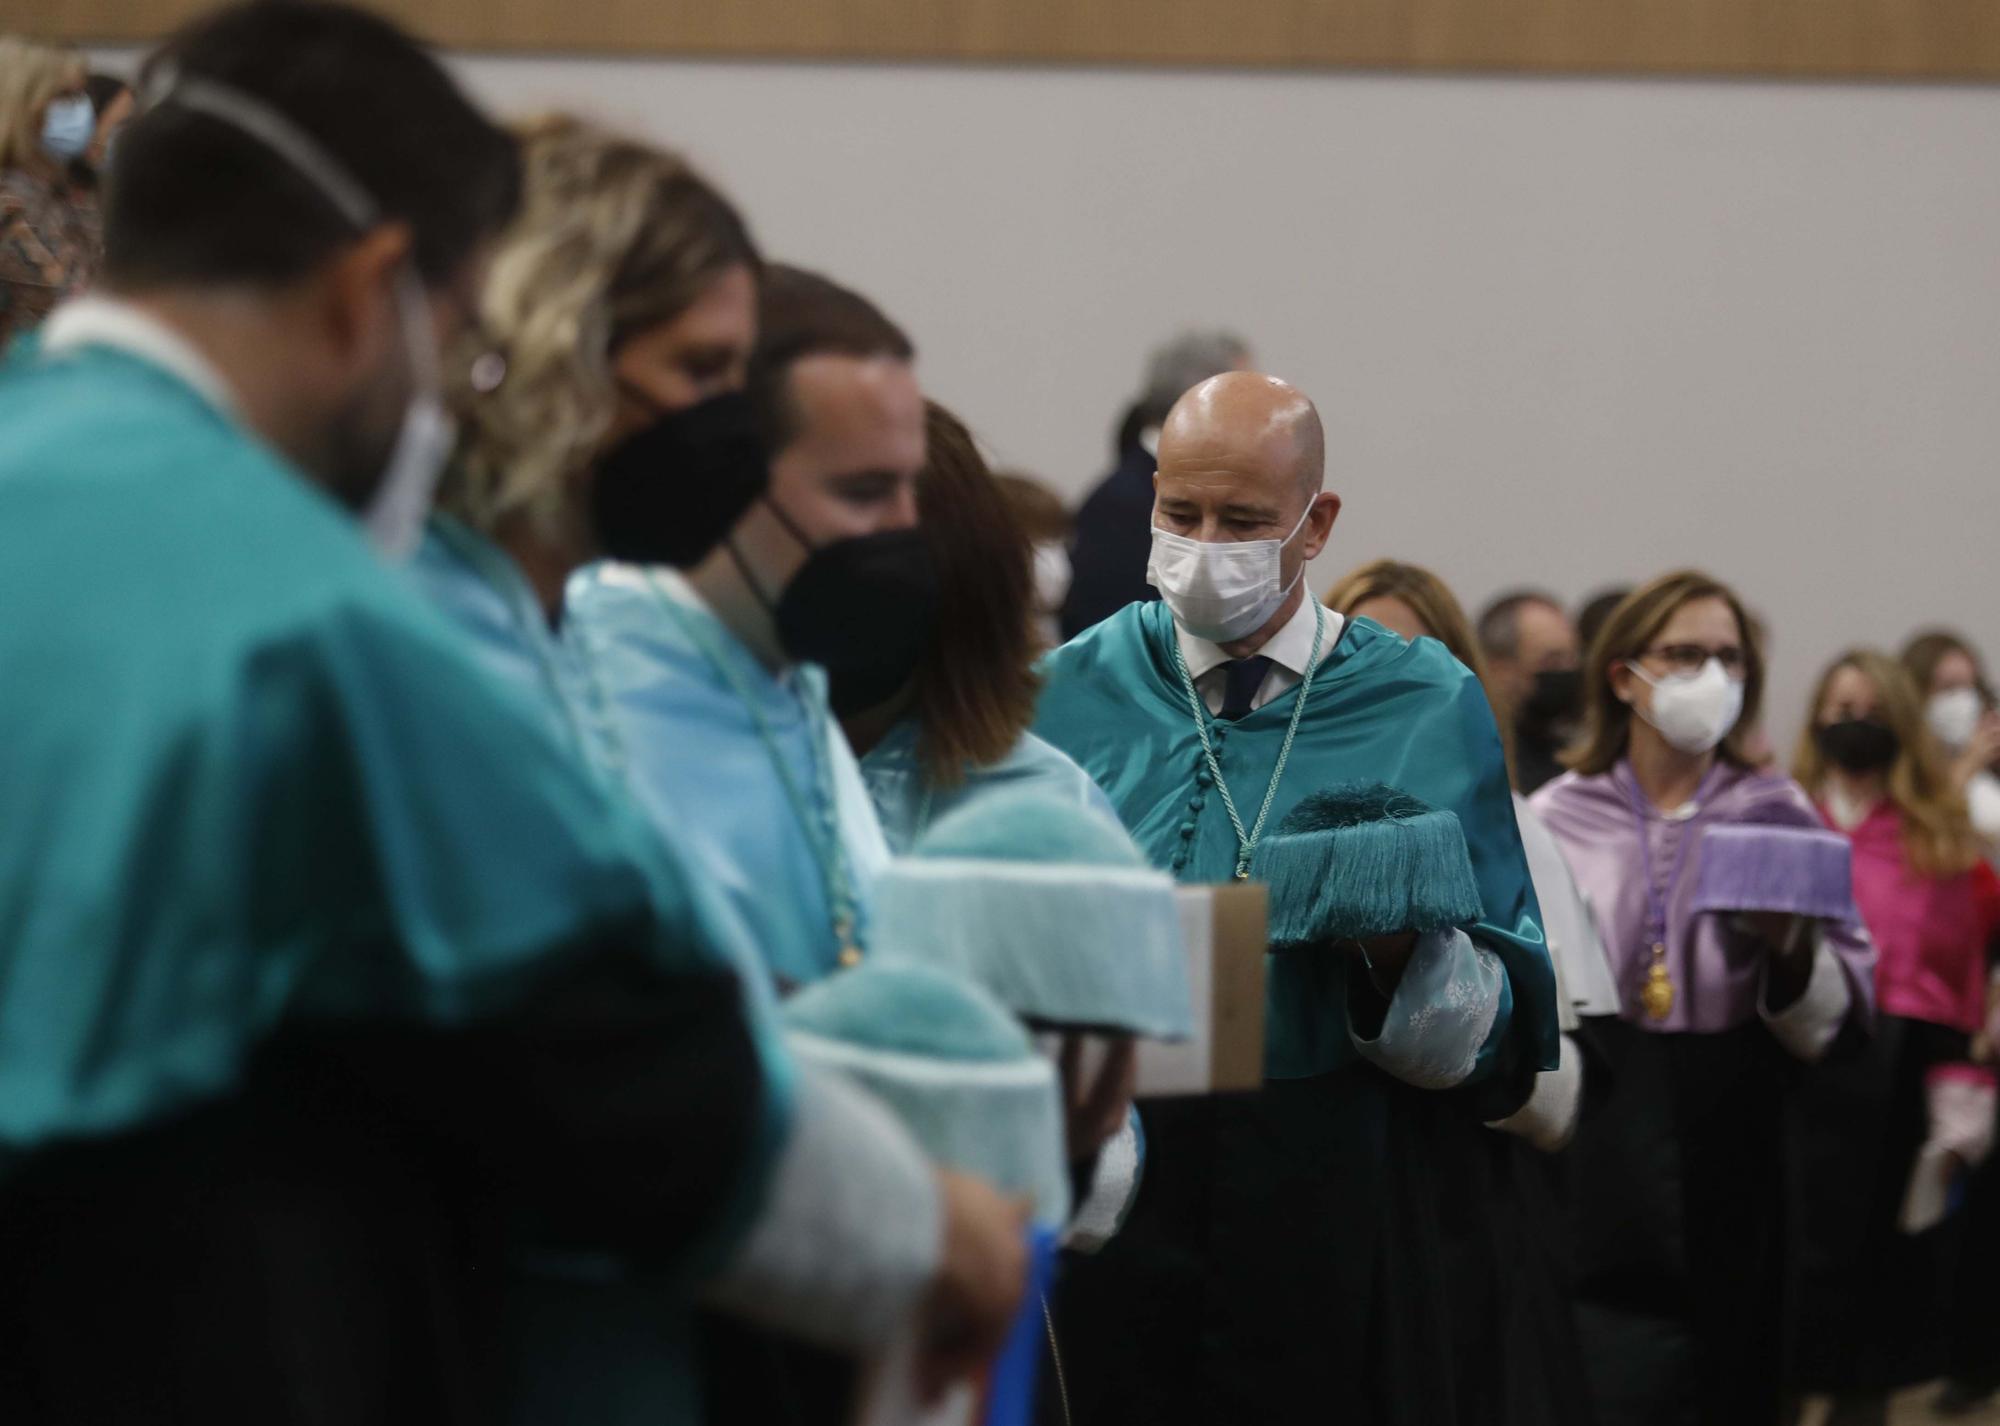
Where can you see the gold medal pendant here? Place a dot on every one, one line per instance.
(1658, 995)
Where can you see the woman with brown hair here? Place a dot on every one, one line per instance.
(1409, 600)
(1874, 1279)
(1681, 1185)
(1499, 1189)
(959, 727)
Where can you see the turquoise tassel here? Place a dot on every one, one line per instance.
(1365, 860)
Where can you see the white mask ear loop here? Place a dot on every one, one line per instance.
(274, 131)
(1304, 515)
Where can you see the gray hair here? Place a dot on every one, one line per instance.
(1499, 628)
(1183, 363)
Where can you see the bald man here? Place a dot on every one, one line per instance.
(1288, 1259)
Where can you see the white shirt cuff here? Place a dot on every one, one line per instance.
(1807, 1026)
(851, 1232)
(1549, 1117)
(1441, 1013)
(1112, 1192)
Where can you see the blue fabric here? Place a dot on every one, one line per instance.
(1407, 714)
(702, 772)
(474, 584)
(908, 804)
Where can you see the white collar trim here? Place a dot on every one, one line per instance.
(99, 321)
(1290, 648)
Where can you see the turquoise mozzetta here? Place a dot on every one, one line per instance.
(1381, 709)
(686, 700)
(250, 774)
(907, 802)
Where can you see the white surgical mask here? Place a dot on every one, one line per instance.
(1225, 590)
(402, 501)
(1693, 711)
(1052, 575)
(68, 126)
(1954, 715)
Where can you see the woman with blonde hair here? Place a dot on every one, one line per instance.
(1502, 1187)
(1682, 1189)
(1875, 1277)
(601, 412)
(49, 240)
(1963, 714)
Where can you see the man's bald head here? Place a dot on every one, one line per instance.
(1242, 458)
(1253, 427)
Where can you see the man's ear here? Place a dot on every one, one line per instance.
(1320, 517)
(348, 297)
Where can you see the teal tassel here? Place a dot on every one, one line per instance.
(1365, 860)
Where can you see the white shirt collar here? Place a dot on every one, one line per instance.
(1290, 648)
(99, 321)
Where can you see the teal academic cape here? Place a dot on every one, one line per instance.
(1305, 1252)
(252, 780)
(1381, 709)
(908, 802)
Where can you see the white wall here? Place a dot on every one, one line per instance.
(1563, 332)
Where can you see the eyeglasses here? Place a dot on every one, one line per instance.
(1692, 658)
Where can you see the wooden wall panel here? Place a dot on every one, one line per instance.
(1886, 39)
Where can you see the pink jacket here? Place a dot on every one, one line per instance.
(1931, 933)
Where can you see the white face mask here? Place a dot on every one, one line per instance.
(1225, 590)
(1954, 715)
(1693, 711)
(1052, 575)
(402, 501)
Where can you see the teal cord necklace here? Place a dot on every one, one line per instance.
(1246, 842)
(817, 814)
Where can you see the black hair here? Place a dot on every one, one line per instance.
(195, 201)
(802, 314)
(103, 89)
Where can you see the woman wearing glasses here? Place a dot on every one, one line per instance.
(1679, 1169)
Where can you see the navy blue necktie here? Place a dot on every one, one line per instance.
(1241, 680)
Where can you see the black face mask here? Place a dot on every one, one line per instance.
(864, 609)
(1857, 745)
(670, 493)
(1555, 699)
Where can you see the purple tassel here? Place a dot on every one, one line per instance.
(1797, 870)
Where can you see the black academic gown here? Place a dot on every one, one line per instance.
(1678, 1175)
(1198, 1312)
(325, 1247)
(1872, 1300)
